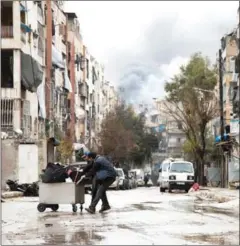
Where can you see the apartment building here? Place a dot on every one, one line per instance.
(52, 87)
(230, 77)
(22, 86)
(73, 27)
(172, 136)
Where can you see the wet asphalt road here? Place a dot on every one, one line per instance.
(142, 216)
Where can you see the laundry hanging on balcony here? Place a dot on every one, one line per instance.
(26, 28)
(67, 82)
(57, 58)
(80, 113)
(41, 100)
(31, 72)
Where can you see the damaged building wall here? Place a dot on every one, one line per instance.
(9, 160)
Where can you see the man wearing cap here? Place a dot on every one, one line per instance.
(105, 176)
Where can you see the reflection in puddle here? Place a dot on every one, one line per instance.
(211, 239)
(58, 236)
(76, 238)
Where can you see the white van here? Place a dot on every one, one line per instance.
(176, 175)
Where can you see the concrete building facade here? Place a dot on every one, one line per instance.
(52, 87)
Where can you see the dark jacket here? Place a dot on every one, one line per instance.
(102, 168)
(88, 167)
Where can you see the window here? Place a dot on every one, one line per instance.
(7, 67)
(180, 167)
(40, 47)
(224, 92)
(87, 63)
(40, 30)
(179, 140)
(165, 166)
(7, 114)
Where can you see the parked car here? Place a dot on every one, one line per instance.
(122, 180)
(140, 176)
(132, 179)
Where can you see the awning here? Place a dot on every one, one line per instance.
(57, 58)
(26, 28)
(31, 73)
(67, 82)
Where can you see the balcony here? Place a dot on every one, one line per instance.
(9, 93)
(23, 37)
(63, 48)
(7, 31)
(40, 16)
(83, 89)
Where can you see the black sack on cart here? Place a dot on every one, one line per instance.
(54, 173)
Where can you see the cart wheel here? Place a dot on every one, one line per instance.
(41, 207)
(55, 207)
(81, 208)
(74, 208)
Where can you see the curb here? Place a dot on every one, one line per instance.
(12, 194)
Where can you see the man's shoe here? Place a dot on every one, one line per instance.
(90, 210)
(105, 208)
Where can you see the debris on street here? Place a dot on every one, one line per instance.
(25, 189)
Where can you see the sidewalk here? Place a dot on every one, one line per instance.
(221, 199)
(221, 194)
(11, 194)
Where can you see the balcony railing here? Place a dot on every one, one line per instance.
(10, 93)
(7, 31)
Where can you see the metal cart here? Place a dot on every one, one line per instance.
(53, 194)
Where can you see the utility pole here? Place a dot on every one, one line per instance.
(221, 96)
(48, 59)
(221, 112)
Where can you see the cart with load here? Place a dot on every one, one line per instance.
(53, 194)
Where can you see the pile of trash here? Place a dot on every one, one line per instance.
(54, 173)
(26, 189)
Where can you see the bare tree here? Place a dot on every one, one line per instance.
(192, 101)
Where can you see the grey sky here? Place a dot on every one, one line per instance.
(142, 44)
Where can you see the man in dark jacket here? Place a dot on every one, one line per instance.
(86, 169)
(105, 176)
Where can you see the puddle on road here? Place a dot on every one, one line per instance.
(195, 207)
(76, 238)
(143, 207)
(55, 235)
(216, 239)
(154, 202)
